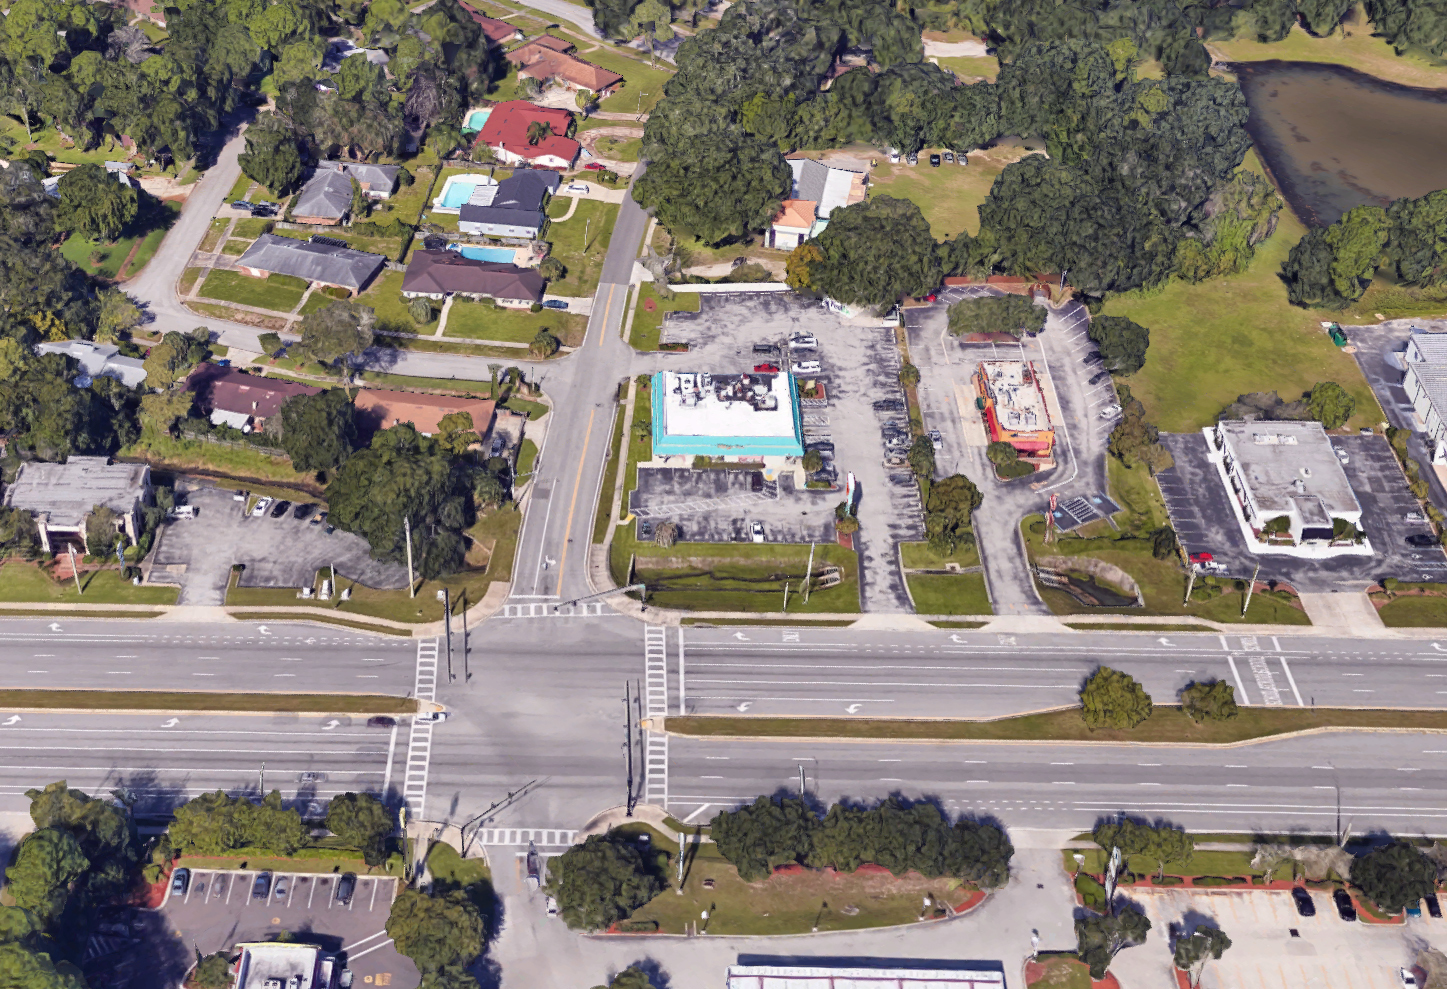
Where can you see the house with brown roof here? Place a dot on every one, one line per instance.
(548, 60)
(438, 274)
(378, 408)
(497, 32)
(240, 400)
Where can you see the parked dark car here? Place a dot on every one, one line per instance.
(381, 721)
(242, 204)
(303, 511)
(766, 348)
(1304, 905)
(554, 304)
(1345, 909)
(934, 161)
(950, 157)
(180, 879)
(279, 509)
(346, 886)
(1421, 539)
(1434, 909)
(261, 889)
(739, 261)
(1098, 377)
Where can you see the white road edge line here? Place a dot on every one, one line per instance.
(1290, 679)
(1240, 688)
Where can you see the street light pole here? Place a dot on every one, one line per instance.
(445, 597)
(628, 742)
(411, 582)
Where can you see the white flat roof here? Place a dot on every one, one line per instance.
(278, 961)
(727, 404)
(1017, 401)
(1290, 463)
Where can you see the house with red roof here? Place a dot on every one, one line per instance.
(550, 61)
(497, 32)
(506, 133)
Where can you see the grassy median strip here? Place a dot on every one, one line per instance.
(179, 700)
(289, 616)
(1166, 724)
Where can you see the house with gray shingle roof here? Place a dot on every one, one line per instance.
(325, 199)
(377, 181)
(322, 264)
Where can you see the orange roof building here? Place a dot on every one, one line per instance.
(1011, 401)
(547, 59)
(378, 408)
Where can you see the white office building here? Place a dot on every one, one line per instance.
(1425, 382)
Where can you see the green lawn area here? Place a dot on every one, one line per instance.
(919, 556)
(279, 293)
(647, 325)
(188, 279)
(149, 232)
(234, 462)
(1415, 611)
(252, 228)
(27, 582)
(1162, 582)
(214, 233)
(240, 189)
(955, 594)
(458, 385)
(1143, 510)
(79, 249)
(385, 296)
(639, 80)
(949, 196)
(1167, 724)
(970, 67)
(618, 149)
(1062, 971)
(446, 864)
(235, 248)
(1232, 335)
(610, 477)
(149, 246)
(535, 410)
(407, 203)
(584, 262)
(1354, 46)
(527, 456)
(1203, 863)
(484, 321)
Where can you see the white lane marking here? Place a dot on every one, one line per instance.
(1289, 678)
(701, 809)
(1236, 675)
(391, 751)
(353, 956)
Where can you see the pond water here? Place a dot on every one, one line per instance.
(1335, 139)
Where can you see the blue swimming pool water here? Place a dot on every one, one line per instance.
(458, 193)
(476, 119)
(499, 255)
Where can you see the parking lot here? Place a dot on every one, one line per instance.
(219, 909)
(859, 369)
(198, 553)
(1201, 513)
(1328, 953)
(720, 506)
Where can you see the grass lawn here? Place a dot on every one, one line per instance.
(462, 386)
(791, 903)
(610, 478)
(583, 261)
(235, 248)
(213, 458)
(240, 189)
(27, 582)
(949, 196)
(956, 594)
(1200, 863)
(1414, 611)
(385, 296)
(1062, 972)
(642, 85)
(535, 410)
(1353, 46)
(919, 556)
(971, 67)
(446, 864)
(527, 456)
(1166, 724)
(1139, 496)
(647, 325)
(148, 234)
(484, 321)
(214, 233)
(188, 279)
(150, 244)
(1233, 335)
(407, 204)
(1162, 582)
(619, 150)
(279, 293)
(252, 228)
(314, 302)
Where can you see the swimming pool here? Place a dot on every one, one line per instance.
(476, 119)
(498, 255)
(457, 194)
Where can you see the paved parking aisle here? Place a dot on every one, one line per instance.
(221, 908)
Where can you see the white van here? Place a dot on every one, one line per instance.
(183, 512)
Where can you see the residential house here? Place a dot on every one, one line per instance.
(60, 497)
(381, 409)
(340, 48)
(377, 181)
(325, 199)
(438, 274)
(550, 62)
(229, 397)
(817, 190)
(97, 360)
(497, 32)
(506, 133)
(512, 208)
(319, 263)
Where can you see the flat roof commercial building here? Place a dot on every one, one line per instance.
(1011, 400)
(285, 965)
(1425, 382)
(747, 417)
(1286, 470)
(61, 496)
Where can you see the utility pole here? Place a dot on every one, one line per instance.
(407, 528)
(809, 573)
(1249, 588)
(261, 780)
(786, 595)
(587, 221)
(74, 571)
(801, 779)
(628, 742)
(445, 597)
(1190, 583)
(466, 670)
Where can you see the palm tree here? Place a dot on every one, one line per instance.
(539, 129)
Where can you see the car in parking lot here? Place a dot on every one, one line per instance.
(936, 440)
(238, 495)
(1345, 909)
(1202, 557)
(950, 157)
(551, 905)
(261, 889)
(934, 161)
(346, 886)
(262, 504)
(279, 509)
(1098, 377)
(765, 368)
(1414, 517)
(554, 304)
(766, 348)
(1407, 978)
(280, 891)
(303, 511)
(1421, 539)
(808, 367)
(803, 342)
(180, 879)
(1305, 907)
(1110, 411)
(756, 532)
(912, 158)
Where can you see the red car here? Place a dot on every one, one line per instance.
(1202, 558)
(766, 368)
(595, 167)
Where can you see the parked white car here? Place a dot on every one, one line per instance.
(803, 342)
(756, 532)
(808, 367)
(1110, 411)
(262, 505)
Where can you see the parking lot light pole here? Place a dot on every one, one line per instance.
(446, 598)
(411, 582)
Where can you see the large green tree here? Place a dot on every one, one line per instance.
(94, 203)
(1160, 844)
(1122, 343)
(875, 252)
(403, 475)
(1331, 404)
(1100, 938)
(952, 502)
(1394, 876)
(757, 837)
(271, 156)
(1209, 700)
(1111, 699)
(362, 820)
(318, 431)
(48, 862)
(215, 823)
(441, 934)
(1012, 314)
(601, 881)
(1331, 267)
(1204, 944)
(726, 187)
(336, 332)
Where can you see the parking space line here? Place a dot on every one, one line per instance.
(312, 894)
(373, 905)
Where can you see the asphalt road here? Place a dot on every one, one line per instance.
(1391, 782)
(241, 656)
